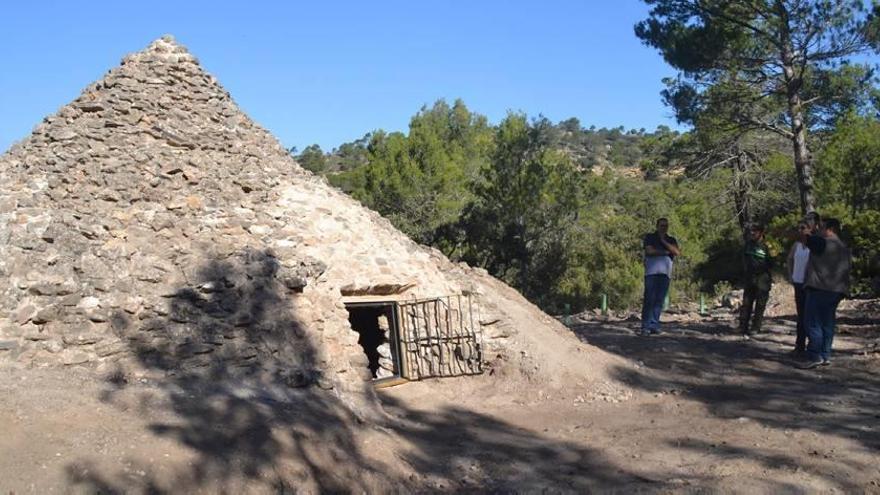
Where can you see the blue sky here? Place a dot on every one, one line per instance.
(328, 72)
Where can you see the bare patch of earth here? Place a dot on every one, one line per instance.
(701, 411)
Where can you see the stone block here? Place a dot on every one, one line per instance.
(96, 315)
(36, 336)
(106, 349)
(52, 345)
(8, 345)
(74, 357)
(63, 134)
(46, 315)
(25, 313)
(73, 338)
(42, 289)
(90, 106)
(196, 348)
(71, 300)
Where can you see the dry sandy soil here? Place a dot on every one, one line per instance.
(702, 411)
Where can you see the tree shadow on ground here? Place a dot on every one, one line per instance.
(754, 379)
(234, 383)
(237, 380)
(476, 452)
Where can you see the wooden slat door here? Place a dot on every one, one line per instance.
(439, 337)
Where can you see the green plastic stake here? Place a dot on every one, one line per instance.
(702, 305)
(666, 302)
(604, 304)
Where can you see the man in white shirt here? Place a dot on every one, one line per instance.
(660, 250)
(798, 259)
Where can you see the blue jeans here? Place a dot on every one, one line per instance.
(656, 287)
(819, 318)
(800, 296)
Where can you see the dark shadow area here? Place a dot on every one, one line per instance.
(723, 262)
(482, 454)
(858, 320)
(752, 379)
(730, 452)
(724, 453)
(372, 322)
(237, 372)
(236, 384)
(235, 314)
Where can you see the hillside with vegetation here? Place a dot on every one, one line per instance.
(781, 116)
(558, 210)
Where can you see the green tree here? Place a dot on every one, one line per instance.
(349, 156)
(849, 184)
(312, 159)
(754, 164)
(850, 172)
(656, 151)
(420, 180)
(519, 225)
(763, 64)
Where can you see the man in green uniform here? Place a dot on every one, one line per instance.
(758, 279)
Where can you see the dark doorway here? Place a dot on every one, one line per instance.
(376, 325)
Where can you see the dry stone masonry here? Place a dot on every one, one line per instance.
(151, 223)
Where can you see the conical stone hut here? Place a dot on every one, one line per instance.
(150, 225)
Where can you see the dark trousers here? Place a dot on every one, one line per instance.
(751, 314)
(656, 287)
(800, 296)
(821, 319)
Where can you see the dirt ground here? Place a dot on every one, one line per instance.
(700, 411)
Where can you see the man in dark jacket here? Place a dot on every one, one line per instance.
(756, 291)
(827, 282)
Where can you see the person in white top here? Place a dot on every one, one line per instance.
(660, 250)
(798, 258)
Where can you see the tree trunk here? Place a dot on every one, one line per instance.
(793, 85)
(742, 193)
(802, 160)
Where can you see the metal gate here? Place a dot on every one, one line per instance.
(439, 337)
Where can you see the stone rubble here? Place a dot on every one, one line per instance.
(386, 359)
(151, 223)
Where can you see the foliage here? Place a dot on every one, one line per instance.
(312, 159)
(850, 165)
(850, 186)
(420, 180)
(545, 207)
(763, 65)
(525, 197)
(863, 236)
(350, 155)
(657, 151)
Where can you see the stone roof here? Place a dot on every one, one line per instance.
(151, 220)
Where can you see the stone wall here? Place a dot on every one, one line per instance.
(150, 218)
(143, 220)
(151, 222)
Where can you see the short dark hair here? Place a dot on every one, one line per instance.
(757, 227)
(813, 216)
(832, 224)
(661, 219)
